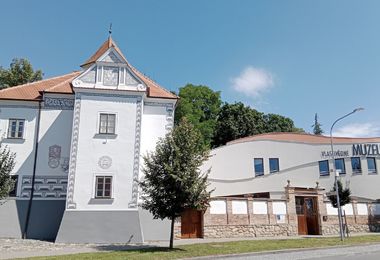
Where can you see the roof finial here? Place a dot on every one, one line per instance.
(110, 30)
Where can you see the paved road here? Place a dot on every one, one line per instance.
(368, 252)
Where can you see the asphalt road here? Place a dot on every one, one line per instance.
(367, 252)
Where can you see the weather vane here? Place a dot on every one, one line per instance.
(110, 30)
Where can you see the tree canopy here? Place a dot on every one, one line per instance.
(344, 195)
(172, 179)
(237, 121)
(20, 72)
(7, 163)
(200, 105)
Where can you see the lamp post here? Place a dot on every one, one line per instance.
(337, 173)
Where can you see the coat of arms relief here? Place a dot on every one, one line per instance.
(56, 160)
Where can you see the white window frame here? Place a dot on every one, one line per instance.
(17, 120)
(95, 186)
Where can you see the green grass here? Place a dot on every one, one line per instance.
(221, 248)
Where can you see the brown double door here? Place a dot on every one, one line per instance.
(307, 215)
(191, 224)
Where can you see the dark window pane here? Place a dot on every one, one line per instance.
(324, 168)
(274, 165)
(13, 192)
(339, 166)
(356, 165)
(259, 166)
(371, 162)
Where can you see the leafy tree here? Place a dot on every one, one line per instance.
(278, 123)
(7, 163)
(236, 121)
(19, 72)
(200, 105)
(317, 127)
(172, 179)
(344, 195)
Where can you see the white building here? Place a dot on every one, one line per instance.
(79, 138)
(276, 184)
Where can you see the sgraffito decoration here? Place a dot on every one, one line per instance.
(54, 156)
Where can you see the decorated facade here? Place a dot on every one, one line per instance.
(79, 139)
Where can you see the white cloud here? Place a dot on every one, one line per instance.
(358, 130)
(252, 81)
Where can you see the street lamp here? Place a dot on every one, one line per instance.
(336, 173)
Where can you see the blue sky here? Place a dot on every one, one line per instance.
(293, 58)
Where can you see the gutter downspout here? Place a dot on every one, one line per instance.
(25, 231)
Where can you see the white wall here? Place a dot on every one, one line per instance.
(218, 207)
(239, 207)
(92, 146)
(260, 207)
(24, 148)
(362, 209)
(232, 169)
(55, 129)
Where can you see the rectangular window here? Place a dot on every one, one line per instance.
(274, 165)
(16, 128)
(259, 166)
(356, 165)
(103, 187)
(339, 166)
(371, 162)
(13, 192)
(107, 123)
(324, 169)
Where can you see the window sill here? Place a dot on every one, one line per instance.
(105, 136)
(101, 201)
(324, 175)
(11, 140)
(357, 173)
(372, 173)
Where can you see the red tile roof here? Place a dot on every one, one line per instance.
(302, 138)
(62, 84)
(32, 91)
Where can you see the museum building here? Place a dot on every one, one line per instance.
(79, 139)
(275, 184)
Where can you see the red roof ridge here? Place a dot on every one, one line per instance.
(102, 49)
(35, 82)
(75, 74)
(152, 81)
(273, 135)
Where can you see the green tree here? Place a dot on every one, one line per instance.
(278, 123)
(200, 105)
(237, 121)
(20, 72)
(317, 127)
(7, 163)
(344, 195)
(172, 180)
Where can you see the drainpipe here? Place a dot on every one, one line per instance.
(25, 231)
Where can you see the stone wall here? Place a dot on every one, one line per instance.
(231, 224)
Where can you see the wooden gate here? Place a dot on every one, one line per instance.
(307, 215)
(191, 224)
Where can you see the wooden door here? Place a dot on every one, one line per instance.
(191, 224)
(301, 216)
(311, 210)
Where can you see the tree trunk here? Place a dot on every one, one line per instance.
(172, 233)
